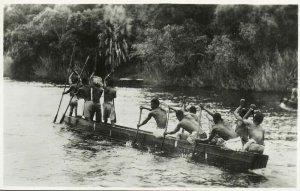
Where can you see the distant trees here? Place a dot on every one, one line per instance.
(224, 46)
(40, 42)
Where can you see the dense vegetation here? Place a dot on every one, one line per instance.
(222, 46)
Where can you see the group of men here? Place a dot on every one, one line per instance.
(247, 135)
(91, 90)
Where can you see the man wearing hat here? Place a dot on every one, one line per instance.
(92, 94)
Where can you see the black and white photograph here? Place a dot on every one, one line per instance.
(149, 95)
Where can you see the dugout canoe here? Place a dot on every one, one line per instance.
(204, 153)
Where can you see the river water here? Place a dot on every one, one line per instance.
(37, 152)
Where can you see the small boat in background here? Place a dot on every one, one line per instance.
(289, 105)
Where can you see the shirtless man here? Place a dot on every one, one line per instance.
(241, 128)
(191, 115)
(231, 139)
(192, 110)
(91, 93)
(189, 124)
(160, 116)
(108, 106)
(256, 133)
(75, 85)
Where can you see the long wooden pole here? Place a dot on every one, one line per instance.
(69, 71)
(137, 129)
(62, 119)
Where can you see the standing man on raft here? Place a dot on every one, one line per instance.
(110, 94)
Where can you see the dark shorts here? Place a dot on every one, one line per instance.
(73, 104)
(91, 109)
(109, 111)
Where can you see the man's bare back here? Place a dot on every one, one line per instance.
(224, 131)
(189, 125)
(157, 113)
(160, 117)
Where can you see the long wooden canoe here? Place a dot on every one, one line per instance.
(205, 153)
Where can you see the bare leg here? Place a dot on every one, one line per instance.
(75, 110)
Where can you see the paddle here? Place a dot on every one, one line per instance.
(65, 84)
(199, 126)
(163, 141)
(108, 75)
(62, 119)
(115, 111)
(137, 130)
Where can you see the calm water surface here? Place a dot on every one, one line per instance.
(40, 153)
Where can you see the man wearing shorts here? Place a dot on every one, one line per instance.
(108, 106)
(160, 116)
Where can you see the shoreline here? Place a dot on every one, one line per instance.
(154, 85)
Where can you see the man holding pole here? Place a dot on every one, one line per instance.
(108, 106)
(160, 116)
(189, 124)
(72, 90)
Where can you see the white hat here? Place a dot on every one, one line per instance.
(97, 80)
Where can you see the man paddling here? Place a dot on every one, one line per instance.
(192, 110)
(191, 115)
(229, 138)
(160, 116)
(72, 90)
(189, 124)
(256, 133)
(108, 106)
(241, 128)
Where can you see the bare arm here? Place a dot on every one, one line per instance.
(212, 135)
(210, 113)
(172, 108)
(68, 91)
(236, 113)
(183, 104)
(174, 131)
(146, 120)
(147, 108)
(199, 118)
(70, 78)
(248, 113)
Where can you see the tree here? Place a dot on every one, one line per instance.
(113, 46)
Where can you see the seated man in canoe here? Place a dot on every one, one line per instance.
(192, 110)
(241, 128)
(228, 137)
(189, 121)
(160, 116)
(255, 142)
(108, 105)
(189, 124)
